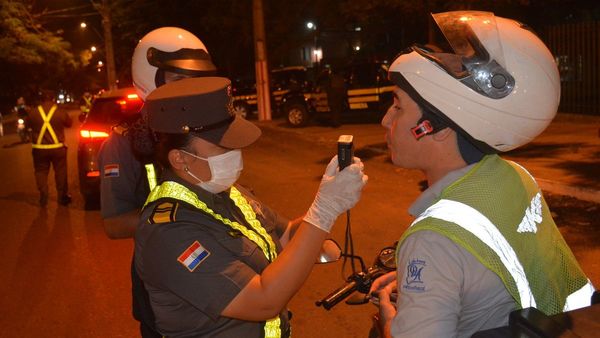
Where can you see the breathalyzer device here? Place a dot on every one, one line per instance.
(345, 152)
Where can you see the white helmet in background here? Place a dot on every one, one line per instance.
(168, 49)
(499, 83)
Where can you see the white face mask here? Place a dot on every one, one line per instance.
(225, 169)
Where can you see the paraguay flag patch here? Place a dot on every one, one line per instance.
(193, 256)
(111, 170)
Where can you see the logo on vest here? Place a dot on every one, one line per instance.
(533, 215)
(413, 281)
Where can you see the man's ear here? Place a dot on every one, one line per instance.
(443, 134)
(176, 159)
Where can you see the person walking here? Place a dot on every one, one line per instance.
(47, 124)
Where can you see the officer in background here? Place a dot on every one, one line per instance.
(21, 109)
(163, 55)
(336, 96)
(484, 242)
(215, 261)
(85, 103)
(47, 124)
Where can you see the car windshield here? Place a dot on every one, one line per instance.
(287, 78)
(113, 110)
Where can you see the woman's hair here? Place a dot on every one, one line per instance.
(166, 142)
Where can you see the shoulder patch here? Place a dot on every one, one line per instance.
(413, 281)
(193, 256)
(164, 212)
(111, 170)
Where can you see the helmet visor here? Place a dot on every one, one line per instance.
(476, 58)
(187, 61)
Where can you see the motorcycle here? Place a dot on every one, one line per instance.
(355, 290)
(524, 323)
(23, 131)
(361, 281)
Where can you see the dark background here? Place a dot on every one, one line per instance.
(43, 47)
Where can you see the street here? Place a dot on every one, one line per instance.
(64, 278)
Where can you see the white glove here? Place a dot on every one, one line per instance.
(338, 192)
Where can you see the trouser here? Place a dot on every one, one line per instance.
(336, 105)
(42, 159)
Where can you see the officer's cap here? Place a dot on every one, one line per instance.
(202, 106)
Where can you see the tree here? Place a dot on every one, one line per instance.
(31, 57)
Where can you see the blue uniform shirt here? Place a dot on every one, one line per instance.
(123, 180)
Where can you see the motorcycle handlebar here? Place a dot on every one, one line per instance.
(338, 295)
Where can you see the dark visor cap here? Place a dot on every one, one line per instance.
(192, 62)
(202, 106)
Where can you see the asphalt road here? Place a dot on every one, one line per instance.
(64, 278)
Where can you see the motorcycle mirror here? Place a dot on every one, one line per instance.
(330, 252)
(387, 258)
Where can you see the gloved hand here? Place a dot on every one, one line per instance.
(338, 192)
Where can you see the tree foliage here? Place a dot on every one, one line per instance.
(31, 57)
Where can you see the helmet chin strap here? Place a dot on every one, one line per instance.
(159, 78)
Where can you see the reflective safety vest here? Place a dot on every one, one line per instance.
(151, 175)
(497, 213)
(47, 127)
(257, 234)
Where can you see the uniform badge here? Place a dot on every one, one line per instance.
(111, 170)
(193, 256)
(414, 276)
(163, 213)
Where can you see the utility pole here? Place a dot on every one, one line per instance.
(261, 66)
(111, 73)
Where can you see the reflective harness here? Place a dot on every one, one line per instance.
(151, 175)
(88, 104)
(257, 234)
(47, 127)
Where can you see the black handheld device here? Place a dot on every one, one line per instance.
(345, 151)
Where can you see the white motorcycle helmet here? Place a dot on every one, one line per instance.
(168, 49)
(498, 86)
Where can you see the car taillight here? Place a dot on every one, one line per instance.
(94, 173)
(92, 134)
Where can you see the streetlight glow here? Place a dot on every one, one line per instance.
(311, 25)
(83, 25)
(93, 49)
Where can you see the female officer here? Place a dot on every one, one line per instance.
(214, 260)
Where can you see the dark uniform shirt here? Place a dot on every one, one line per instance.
(188, 303)
(123, 180)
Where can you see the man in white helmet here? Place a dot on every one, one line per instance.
(483, 243)
(164, 55)
(127, 173)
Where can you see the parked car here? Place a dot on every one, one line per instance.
(369, 94)
(108, 110)
(283, 81)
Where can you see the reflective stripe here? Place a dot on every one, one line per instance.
(151, 174)
(580, 298)
(259, 236)
(47, 127)
(476, 223)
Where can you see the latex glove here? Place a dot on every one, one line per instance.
(338, 192)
